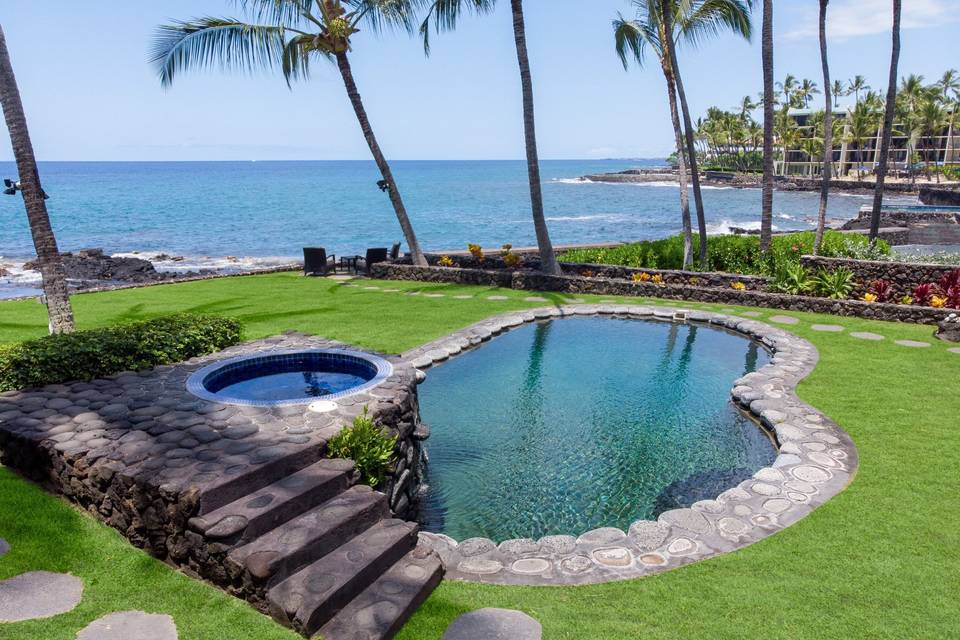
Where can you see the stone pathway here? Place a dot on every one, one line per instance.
(497, 298)
(130, 625)
(866, 335)
(827, 328)
(494, 624)
(784, 320)
(38, 594)
(912, 343)
(535, 299)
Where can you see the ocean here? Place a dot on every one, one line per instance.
(237, 215)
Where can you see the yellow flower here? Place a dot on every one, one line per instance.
(869, 297)
(445, 261)
(657, 279)
(738, 286)
(938, 302)
(643, 276)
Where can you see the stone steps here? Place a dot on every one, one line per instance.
(286, 549)
(257, 513)
(383, 607)
(311, 597)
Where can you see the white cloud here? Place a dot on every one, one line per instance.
(855, 18)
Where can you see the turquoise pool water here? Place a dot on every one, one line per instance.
(564, 426)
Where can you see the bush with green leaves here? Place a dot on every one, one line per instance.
(94, 353)
(795, 280)
(370, 447)
(732, 253)
(836, 284)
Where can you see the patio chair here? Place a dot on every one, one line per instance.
(395, 251)
(378, 254)
(316, 262)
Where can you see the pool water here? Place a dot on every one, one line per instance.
(565, 426)
(299, 384)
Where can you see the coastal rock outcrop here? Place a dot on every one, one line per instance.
(92, 266)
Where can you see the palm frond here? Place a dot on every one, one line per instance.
(287, 13)
(631, 38)
(698, 21)
(226, 43)
(381, 15)
(445, 13)
(295, 61)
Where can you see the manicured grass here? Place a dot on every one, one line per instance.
(880, 560)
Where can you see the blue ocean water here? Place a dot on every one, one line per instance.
(273, 209)
(565, 426)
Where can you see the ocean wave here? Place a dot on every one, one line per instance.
(725, 227)
(171, 263)
(607, 217)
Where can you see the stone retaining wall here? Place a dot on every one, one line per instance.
(904, 276)
(536, 281)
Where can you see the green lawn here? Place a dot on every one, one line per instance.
(881, 560)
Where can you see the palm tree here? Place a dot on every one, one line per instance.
(949, 82)
(807, 90)
(766, 207)
(788, 88)
(838, 90)
(445, 14)
(653, 27)
(289, 34)
(52, 273)
(827, 131)
(693, 21)
(887, 125)
(855, 86)
(933, 119)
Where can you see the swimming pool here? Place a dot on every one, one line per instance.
(563, 426)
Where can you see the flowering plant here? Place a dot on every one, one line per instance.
(643, 276)
(869, 297)
(738, 286)
(657, 279)
(446, 261)
(476, 251)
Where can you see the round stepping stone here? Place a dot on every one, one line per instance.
(130, 625)
(497, 298)
(434, 295)
(4, 547)
(827, 328)
(912, 343)
(38, 594)
(866, 335)
(536, 299)
(751, 314)
(494, 624)
(784, 319)
(954, 350)
(462, 297)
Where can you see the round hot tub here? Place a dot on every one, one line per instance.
(289, 377)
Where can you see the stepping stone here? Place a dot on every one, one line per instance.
(866, 335)
(954, 350)
(130, 625)
(497, 298)
(371, 288)
(751, 314)
(434, 295)
(827, 328)
(4, 547)
(536, 299)
(912, 343)
(38, 594)
(391, 290)
(494, 624)
(784, 320)
(463, 297)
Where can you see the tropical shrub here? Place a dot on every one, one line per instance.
(510, 259)
(882, 289)
(738, 286)
(836, 284)
(476, 251)
(446, 261)
(642, 276)
(922, 294)
(938, 302)
(370, 447)
(794, 279)
(869, 297)
(94, 353)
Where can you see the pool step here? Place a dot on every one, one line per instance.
(229, 488)
(257, 513)
(311, 597)
(383, 607)
(287, 548)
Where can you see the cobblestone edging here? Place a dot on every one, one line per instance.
(141, 453)
(536, 281)
(816, 461)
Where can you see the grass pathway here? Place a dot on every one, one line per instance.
(881, 560)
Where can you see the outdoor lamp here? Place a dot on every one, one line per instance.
(12, 188)
(384, 185)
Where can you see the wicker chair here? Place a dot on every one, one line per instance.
(316, 262)
(395, 251)
(373, 256)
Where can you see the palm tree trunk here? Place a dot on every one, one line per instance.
(692, 155)
(343, 63)
(54, 277)
(766, 206)
(665, 61)
(548, 260)
(827, 131)
(887, 125)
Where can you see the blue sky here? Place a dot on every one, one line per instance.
(90, 94)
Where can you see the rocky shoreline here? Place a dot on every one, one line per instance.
(747, 181)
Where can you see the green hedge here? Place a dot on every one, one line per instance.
(95, 353)
(732, 253)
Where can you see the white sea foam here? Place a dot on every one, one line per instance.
(175, 263)
(653, 183)
(608, 217)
